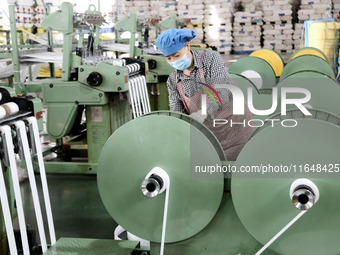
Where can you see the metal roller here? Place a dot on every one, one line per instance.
(266, 203)
(259, 71)
(182, 146)
(307, 64)
(272, 57)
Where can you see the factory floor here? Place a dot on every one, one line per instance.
(76, 205)
(77, 208)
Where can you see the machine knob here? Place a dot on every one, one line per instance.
(94, 79)
(152, 64)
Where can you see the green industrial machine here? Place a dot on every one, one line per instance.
(93, 87)
(97, 86)
(159, 69)
(16, 49)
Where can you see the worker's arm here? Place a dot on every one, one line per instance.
(217, 74)
(175, 101)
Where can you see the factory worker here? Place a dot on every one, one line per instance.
(197, 73)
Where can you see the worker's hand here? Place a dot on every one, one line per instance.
(198, 116)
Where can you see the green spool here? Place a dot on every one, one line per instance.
(311, 51)
(176, 145)
(262, 202)
(325, 92)
(255, 69)
(307, 64)
(243, 83)
(272, 57)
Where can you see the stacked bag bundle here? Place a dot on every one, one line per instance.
(218, 25)
(194, 11)
(120, 10)
(247, 27)
(162, 10)
(315, 9)
(278, 29)
(297, 36)
(336, 9)
(140, 7)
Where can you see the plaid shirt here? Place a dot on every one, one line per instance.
(215, 72)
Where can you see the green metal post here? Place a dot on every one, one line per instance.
(21, 36)
(50, 44)
(63, 21)
(15, 52)
(81, 40)
(129, 24)
(30, 77)
(67, 58)
(170, 22)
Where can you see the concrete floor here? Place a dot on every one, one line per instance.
(76, 205)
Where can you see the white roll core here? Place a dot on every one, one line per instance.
(304, 183)
(10, 108)
(2, 112)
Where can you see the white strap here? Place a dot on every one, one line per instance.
(135, 85)
(132, 99)
(280, 232)
(146, 94)
(33, 122)
(27, 155)
(165, 216)
(7, 215)
(6, 130)
(141, 94)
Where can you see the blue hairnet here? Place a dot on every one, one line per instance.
(172, 40)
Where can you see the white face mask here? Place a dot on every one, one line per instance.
(182, 63)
